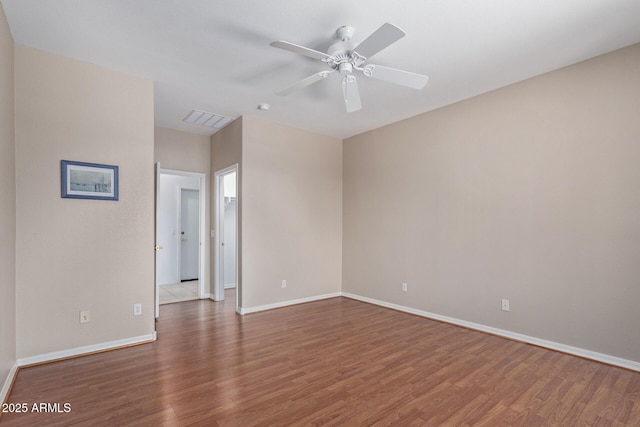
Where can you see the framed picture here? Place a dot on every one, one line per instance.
(89, 180)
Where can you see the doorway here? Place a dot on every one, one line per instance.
(180, 236)
(226, 234)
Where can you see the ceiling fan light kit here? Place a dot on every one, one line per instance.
(343, 58)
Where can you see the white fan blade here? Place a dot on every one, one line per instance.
(301, 50)
(384, 36)
(399, 77)
(351, 93)
(305, 82)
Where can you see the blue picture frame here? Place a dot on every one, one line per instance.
(81, 180)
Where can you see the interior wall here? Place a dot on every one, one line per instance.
(230, 185)
(75, 255)
(226, 151)
(7, 207)
(292, 213)
(188, 152)
(528, 193)
(182, 151)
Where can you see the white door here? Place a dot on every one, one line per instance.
(189, 234)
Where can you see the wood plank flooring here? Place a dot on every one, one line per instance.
(336, 362)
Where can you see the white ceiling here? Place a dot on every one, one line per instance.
(214, 55)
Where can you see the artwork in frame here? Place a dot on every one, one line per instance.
(82, 180)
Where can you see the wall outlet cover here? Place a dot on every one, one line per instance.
(85, 316)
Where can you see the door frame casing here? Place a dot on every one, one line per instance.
(218, 281)
(157, 247)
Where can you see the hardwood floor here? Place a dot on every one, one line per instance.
(330, 363)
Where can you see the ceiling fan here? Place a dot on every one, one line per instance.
(344, 58)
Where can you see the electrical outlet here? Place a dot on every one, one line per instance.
(137, 309)
(85, 316)
(404, 287)
(284, 283)
(505, 305)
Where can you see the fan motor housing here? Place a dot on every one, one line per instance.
(341, 50)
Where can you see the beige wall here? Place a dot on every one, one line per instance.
(188, 152)
(226, 146)
(7, 206)
(530, 193)
(292, 213)
(182, 150)
(226, 151)
(77, 255)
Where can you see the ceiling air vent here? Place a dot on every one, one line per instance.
(202, 118)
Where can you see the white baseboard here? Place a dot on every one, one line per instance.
(4, 393)
(79, 351)
(576, 351)
(244, 311)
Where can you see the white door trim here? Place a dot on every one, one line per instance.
(218, 281)
(156, 247)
